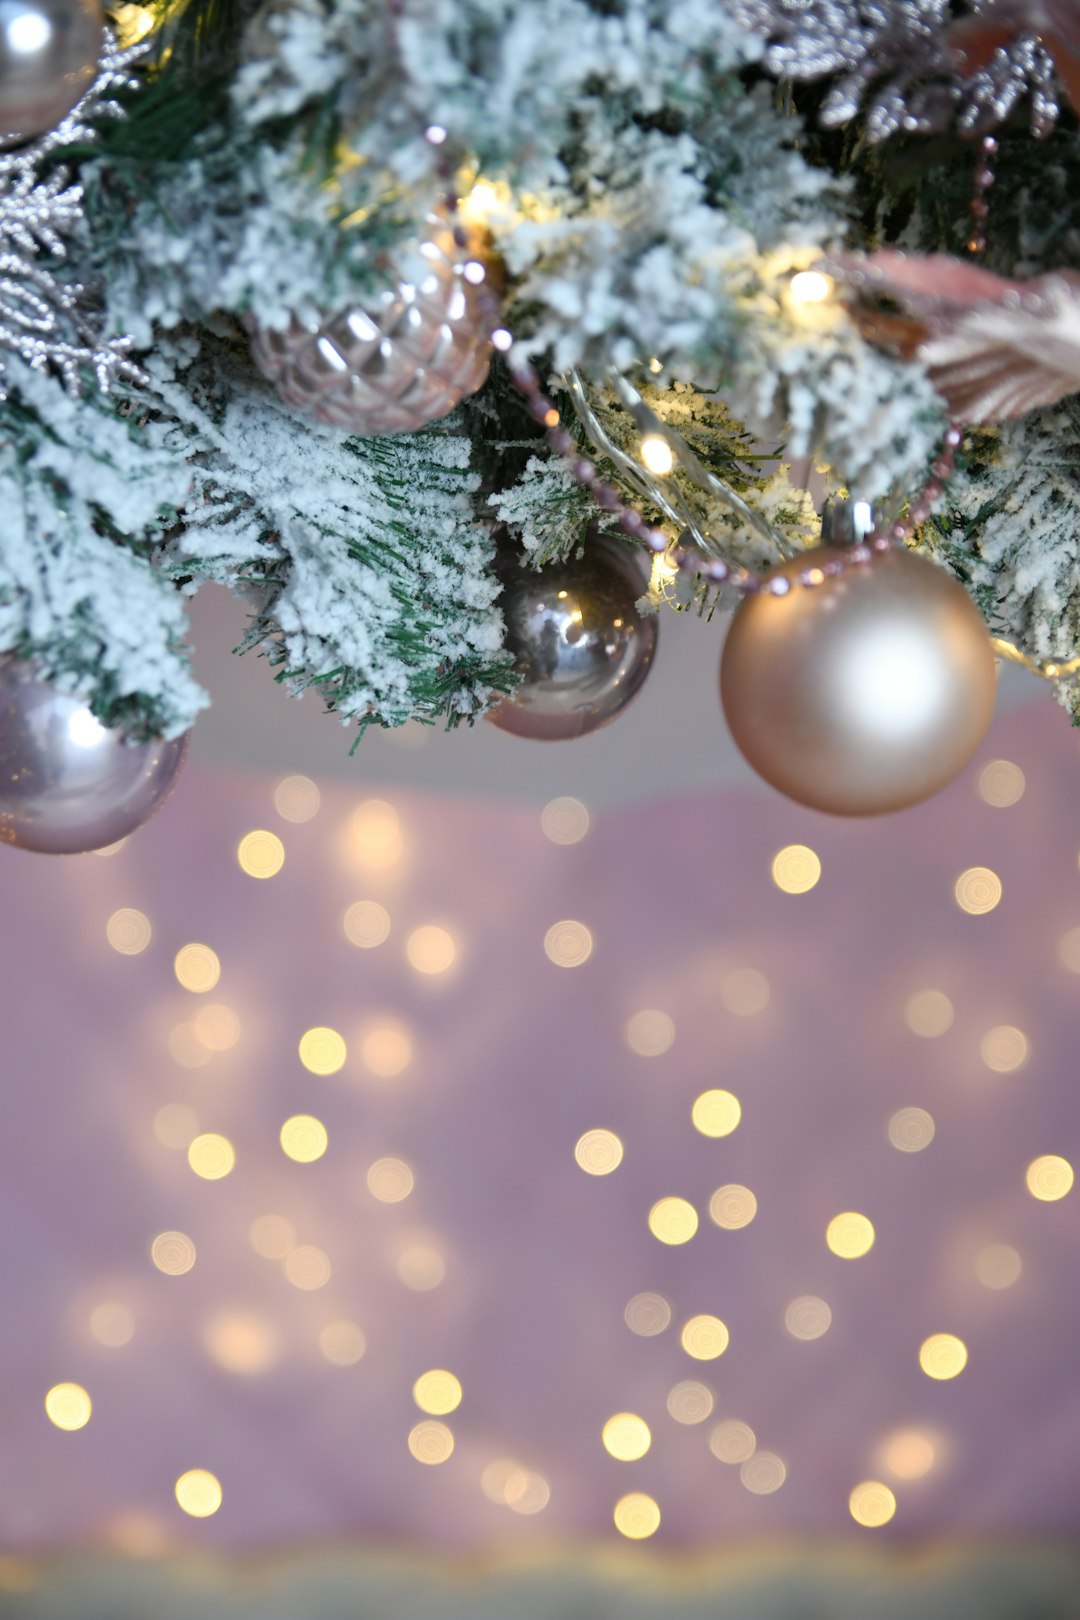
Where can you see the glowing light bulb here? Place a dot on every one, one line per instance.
(810, 287)
(657, 455)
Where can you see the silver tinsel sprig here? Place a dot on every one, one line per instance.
(51, 323)
(893, 62)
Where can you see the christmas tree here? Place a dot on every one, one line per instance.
(354, 306)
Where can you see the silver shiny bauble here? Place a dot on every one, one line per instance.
(49, 53)
(579, 644)
(399, 362)
(67, 783)
(863, 693)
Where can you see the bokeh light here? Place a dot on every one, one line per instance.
(796, 869)
(112, 1324)
(197, 968)
(850, 1235)
(374, 841)
(240, 1341)
(808, 1317)
(211, 1156)
(872, 1504)
(690, 1402)
(1049, 1177)
(527, 1492)
(598, 1152)
(272, 1236)
(716, 1113)
(1004, 1049)
(733, 1442)
(704, 1337)
(308, 1267)
(907, 1454)
(175, 1124)
(1069, 950)
(1001, 784)
(998, 1265)
(173, 1253)
(303, 1138)
(650, 1033)
(198, 1492)
(386, 1050)
(437, 1392)
(296, 798)
(911, 1130)
(342, 1343)
(260, 854)
(568, 943)
(763, 1473)
(431, 1442)
(637, 1516)
(186, 1048)
(626, 1436)
(421, 1267)
(943, 1356)
(322, 1050)
(430, 949)
(928, 1013)
(366, 924)
(745, 992)
(647, 1315)
(673, 1220)
(68, 1406)
(390, 1180)
(977, 890)
(216, 1027)
(564, 821)
(732, 1207)
(128, 931)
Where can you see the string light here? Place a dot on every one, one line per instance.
(810, 287)
(657, 455)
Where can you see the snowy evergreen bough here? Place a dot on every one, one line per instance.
(649, 174)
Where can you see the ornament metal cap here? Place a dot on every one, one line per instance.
(846, 521)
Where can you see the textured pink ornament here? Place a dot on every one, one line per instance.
(399, 362)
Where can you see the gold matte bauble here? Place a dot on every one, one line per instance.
(863, 693)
